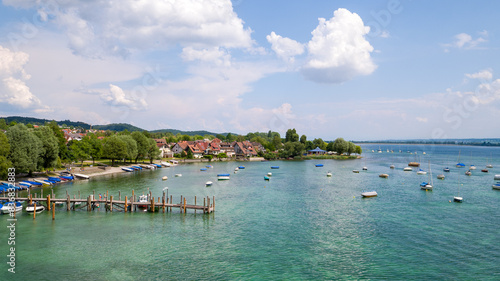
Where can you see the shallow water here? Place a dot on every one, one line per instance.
(299, 225)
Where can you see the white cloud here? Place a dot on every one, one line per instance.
(285, 48)
(13, 77)
(215, 54)
(485, 74)
(97, 28)
(385, 34)
(117, 97)
(422, 119)
(465, 41)
(338, 50)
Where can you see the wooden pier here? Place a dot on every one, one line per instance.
(130, 204)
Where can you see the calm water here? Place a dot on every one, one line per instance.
(301, 225)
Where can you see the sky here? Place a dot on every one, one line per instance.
(361, 70)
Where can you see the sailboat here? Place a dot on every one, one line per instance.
(457, 198)
(459, 164)
(427, 185)
(489, 165)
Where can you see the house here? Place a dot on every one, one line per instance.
(195, 149)
(244, 149)
(164, 148)
(227, 148)
(181, 146)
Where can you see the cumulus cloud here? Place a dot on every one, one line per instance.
(216, 55)
(285, 48)
(117, 97)
(466, 42)
(97, 28)
(485, 74)
(338, 50)
(13, 88)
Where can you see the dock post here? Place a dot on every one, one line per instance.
(89, 204)
(34, 210)
(204, 203)
(107, 196)
(48, 202)
(68, 203)
(171, 203)
(29, 193)
(152, 205)
(163, 202)
(125, 204)
(53, 211)
(180, 205)
(111, 203)
(31, 199)
(213, 203)
(52, 191)
(195, 204)
(119, 195)
(74, 203)
(79, 196)
(67, 193)
(208, 204)
(184, 205)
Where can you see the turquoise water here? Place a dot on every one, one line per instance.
(301, 225)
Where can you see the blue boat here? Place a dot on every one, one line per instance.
(6, 186)
(27, 184)
(157, 165)
(209, 166)
(446, 169)
(54, 179)
(319, 165)
(496, 186)
(223, 175)
(241, 167)
(275, 167)
(127, 169)
(34, 183)
(203, 169)
(137, 167)
(423, 184)
(50, 181)
(67, 177)
(460, 165)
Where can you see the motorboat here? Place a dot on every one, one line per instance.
(392, 167)
(82, 176)
(266, 178)
(143, 202)
(223, 177)
(496, 186)
(319, 165)
(127, 169)
(208, 183)
(164, 178)
(369, 194)
(329, 174)
(203, 169)
(407, 169)
(383, 176)
(440, 177)
(447, 170)
(275, 167)
(365, 169)
(31, 208)
(421, 172)
(355, 171)
(269, 174)
(7, 207)
(178, 175)
(468, 173)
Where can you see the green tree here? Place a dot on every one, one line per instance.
(240, 138)
(358, 150)
(25, 148)
(81, 150)
(319, 143)
(277, 141)
(291, 135)
(209, 157)
(142, 145)
(293, 149)
(131, 146)
(229, 137)
(303, 139)
(61, 141)
(185, 138)
(329, 146)
(222, 155)
(95, 148)
(153, 151)
(340, 146)
(351, 148)
(3, 124)
(115, 148)
(4, 153)
(220, 136)
(50, 148)
(189, 154)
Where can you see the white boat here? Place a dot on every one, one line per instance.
(9, 205)
(440, 177)
(369, 194)
(45, 183)
(392, 167)
(31, 208)
(269, 174)
(223, 177)
(407, 169)
(365, 169)
(329, 174)
(496, 186)
(82, 176)
(127, 169)
(164, 178)
(143, 200)
(489, 165)
(421, 172)
(428, 186)
(178, 175)
(458, 198)
(497, 177)
(472, 167)
(208, 183)
(165, 164)
(383, 176)
(174, 162)
(468, 173)
(236, 169)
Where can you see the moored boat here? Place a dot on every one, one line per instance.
(275, 167)
(421, 172)
(203, 169)
(392, 167)
(369, 194)
(414, 164)
(82, 176)
(447, 170)
(355, 171)
(164, 178)
(143, 202)
(319, 165)
(178, 175)
(440, 177)
(365, 169)
(31, 208)
(329, 174)
(484, 170)
(383, 176)
(497, 177)
(7, 207)
(266, 178)
(407, 169)
(208, 183)
(127, 169)
(468, 173)
(496, 186)
(223, 177)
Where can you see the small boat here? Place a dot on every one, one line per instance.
(25, 184)
(489, 166)
(164, 178)
(447, 170)
(34, 183)
(472, 167)
(458, 198)
(379, 150)
(383, 176)
(369, 194)
(275, 167)
(209, 166)
(223, 177)
(266, 178)
(165, 164)
(468, 173)
(459, 164)
(355, 171)
(174, 162)
(241, 167)
(484, 170)
(414, 164)
(269, 174)
(319, 165)
(7, 207)
(203, 169)
(329, 174)
(137, 168)
(236, 169)
(497, 177)
(407, 169)
(82, 176)
(56, 179)
(496, 186)
(43, 182)
(365, 169)
(421, 172)
(127, 169)
(440, 177)
(143, 200)
(178, 175)
(208, 183)
(156, 165)
(31, 208)
(426, 186)
(392, 167)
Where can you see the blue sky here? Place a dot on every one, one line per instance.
(362, 70)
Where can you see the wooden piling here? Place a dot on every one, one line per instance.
(204, 203)
(89, 204)
(31, 199)
(41, 193)
(152, 205)
(195, 204)
(184, 204)
(170, 203)
(126, 209)
(34, 210)
(163, 201)
(213, 203)
(208, 204)
(48, 202)
(111, 203)
(119, 195)
(180, 205)
(53, 211)
(68, 203)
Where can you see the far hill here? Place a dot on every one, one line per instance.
(189, 133)
(39, 121)
(117, 127)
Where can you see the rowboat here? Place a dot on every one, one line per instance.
(369, 194)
